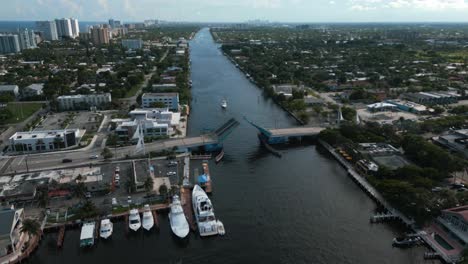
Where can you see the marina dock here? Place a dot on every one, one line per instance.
(60, 237)
(377, 197)
(186, 200)
(206, 171)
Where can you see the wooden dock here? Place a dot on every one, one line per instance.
(60, 237)
(155, 218)
(186, 200)
(378, 198)
(206, 171)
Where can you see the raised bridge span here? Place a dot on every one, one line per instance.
(283, 135)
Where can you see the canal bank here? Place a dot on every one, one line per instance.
(300, 209)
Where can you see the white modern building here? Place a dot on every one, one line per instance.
(9, 89)
(9, 43)
(10, 232)
(132, 43)
(64, 28)
(127, 129)
(47, 140)
(159, 115)
(75, 27)
(170, 100)
(47, 29)
(83, 101)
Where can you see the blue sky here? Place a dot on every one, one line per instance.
(240, 10)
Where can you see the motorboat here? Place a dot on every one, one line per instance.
(221, 230)
(106, 228)
(204, 214)
(148, 220)
(134, 222)
(179, 224)
(224, 104)
(87, 234)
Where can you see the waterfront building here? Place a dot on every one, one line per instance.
(132, 43)
(170, 100)
(83, 101)
(9, 43)
(9, 89)
(75, 27)
(64, 28)
(27, 39)
(10, 232)
(127, 129)
(38, 141)
(47, 30)
(114, 23)
(159, 115)
(99, 35)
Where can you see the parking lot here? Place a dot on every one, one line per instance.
(82, 120)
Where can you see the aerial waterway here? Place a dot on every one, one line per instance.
(301, 208)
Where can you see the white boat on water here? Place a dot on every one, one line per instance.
(179, 224)
(224, 103)
(148, 220)
(106, 228)
(87, 234)
(206, 220)
(221, 230)
(134, 222)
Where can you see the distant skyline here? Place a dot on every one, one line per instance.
(240, 10)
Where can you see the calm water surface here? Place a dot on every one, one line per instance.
(301, 208)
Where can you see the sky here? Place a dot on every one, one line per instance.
(240, 10)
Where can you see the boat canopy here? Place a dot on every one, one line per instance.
(203, 178)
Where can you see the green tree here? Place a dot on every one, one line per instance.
(107, 153)
(31, 227)
(149, 183)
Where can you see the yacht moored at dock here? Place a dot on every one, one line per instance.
(206, 221)
(106, 228)
(134, 222)
(148, 220)
(179, 224)
(87, 234)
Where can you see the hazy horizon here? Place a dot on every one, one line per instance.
(222, 11)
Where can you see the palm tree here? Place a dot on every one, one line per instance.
(31, 227)
(149, 184)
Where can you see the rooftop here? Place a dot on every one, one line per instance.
(6, 220)
(461, 210)
(42, 134)
(160, 94)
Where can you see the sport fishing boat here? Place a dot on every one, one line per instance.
(224, 104)
(148, 220)
(179, 224)
(106, 228)
(206, 221)
(134, 222)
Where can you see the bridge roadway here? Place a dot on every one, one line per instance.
(53, 160)
(295, 131)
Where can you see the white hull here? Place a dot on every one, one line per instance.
(204, 214)
(148, 220)
(134, 221)
(106, 228)
(179, 224)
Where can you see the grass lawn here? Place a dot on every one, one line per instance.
(21, 111)
(133, 91)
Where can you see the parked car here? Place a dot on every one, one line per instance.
(88, 195)
(171, 173)
(66, 160)
(114, 201)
